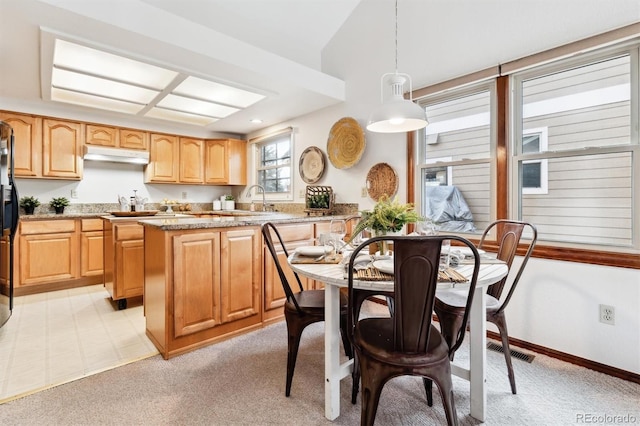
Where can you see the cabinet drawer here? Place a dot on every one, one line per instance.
(297, 232)
(131, 231)
(47, 226)
(91, 225)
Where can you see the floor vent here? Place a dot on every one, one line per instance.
(514, 354)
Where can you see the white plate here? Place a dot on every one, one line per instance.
(465, 251)
(314, 250)
(385, 266)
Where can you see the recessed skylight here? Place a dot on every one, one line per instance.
(85, 76)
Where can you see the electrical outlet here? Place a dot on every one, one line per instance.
(301, 193)
(74, 193)
(364, 192)
(184, 195)
(607, 314)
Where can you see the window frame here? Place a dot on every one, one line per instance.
(256, 160)
(502, 170)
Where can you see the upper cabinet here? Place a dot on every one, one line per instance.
(164, 153)
(115, 137)
(197, 161)
(27, 132)
(225, 162)
(62, 149)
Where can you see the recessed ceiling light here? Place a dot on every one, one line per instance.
(256, 121)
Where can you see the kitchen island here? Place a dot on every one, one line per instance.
(204, 277)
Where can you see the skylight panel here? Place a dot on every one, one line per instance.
(91, 61)
(171, 115)
(195, 106)
(92, 101)
(215, 92)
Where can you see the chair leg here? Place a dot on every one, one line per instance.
(348, 349)
(450, 325)
(428, 388)
(355, 378)
(294, 333)
(501, 322)
(442, 378)
(372, 384)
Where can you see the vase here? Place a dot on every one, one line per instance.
(386, 247)
(59, 210)
(29, 209)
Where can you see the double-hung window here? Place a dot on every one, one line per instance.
(575, 149)
(273, 166)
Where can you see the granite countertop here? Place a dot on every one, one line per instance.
(184, 223)
(48, 216)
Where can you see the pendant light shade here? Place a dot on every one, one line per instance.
(397, 114)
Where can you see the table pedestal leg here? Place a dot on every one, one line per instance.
(478, 355)
(332, 352)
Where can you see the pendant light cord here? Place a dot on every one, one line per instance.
(396, 36)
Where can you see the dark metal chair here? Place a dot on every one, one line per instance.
(302, 307)
(406, 343)
(451, 310)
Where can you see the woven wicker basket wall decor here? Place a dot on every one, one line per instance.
(346, 143)
(382, 180)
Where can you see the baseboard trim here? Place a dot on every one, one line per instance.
(572, 359)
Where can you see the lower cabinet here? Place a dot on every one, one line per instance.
(123, 260)
(91, 248)
(293, 235)
(201, 286)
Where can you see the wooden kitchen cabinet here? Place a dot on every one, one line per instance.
(201, 286)
(48, 251)
(164, 155)
(62, 149)
(191, 160)
(294, 235)
(91, 248)
(115, 137)
(225, 162)
(27, 132)
(123, 260)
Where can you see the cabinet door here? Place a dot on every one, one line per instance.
(62, 149)
(216, 166)
(134, 139)
(91, 248)
(27, 134)
(191, 160)
(48, 257)
(226, 161)
(240, 266)
(196, 282)
(274, 296)
(130, 268)
(163, 162)
(102, 135)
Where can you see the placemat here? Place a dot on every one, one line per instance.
(372, 274)
(328, 259)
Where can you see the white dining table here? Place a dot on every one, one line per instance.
(333, 276)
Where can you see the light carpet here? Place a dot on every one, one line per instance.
(241, 382)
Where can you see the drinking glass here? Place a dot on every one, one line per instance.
(445, 254)
(338, 229)
(426, 227)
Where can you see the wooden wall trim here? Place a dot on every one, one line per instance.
(502, 148)
(572, 359)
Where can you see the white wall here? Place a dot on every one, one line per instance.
(557, 306)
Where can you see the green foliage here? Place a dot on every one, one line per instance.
(388, 215)
(318, 201)
(59, 202)
(229, 197)
(29, 201)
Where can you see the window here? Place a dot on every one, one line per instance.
(454, 159)
(273, 165)
(579, 188)
(534, 172)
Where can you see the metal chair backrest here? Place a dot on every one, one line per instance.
(268, 230)
(508, 236)
(416, 265)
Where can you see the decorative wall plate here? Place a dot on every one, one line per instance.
(312, 164)
(346, 143)
(381, 180)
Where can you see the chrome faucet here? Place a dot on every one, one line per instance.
(264, 201)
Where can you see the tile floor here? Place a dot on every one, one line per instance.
(60, 336)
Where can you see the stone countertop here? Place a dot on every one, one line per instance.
(49, 216)
(184, 223)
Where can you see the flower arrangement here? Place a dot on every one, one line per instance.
(388, 215)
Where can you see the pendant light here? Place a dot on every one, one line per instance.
(396, 114)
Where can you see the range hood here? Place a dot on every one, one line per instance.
(115, 155)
